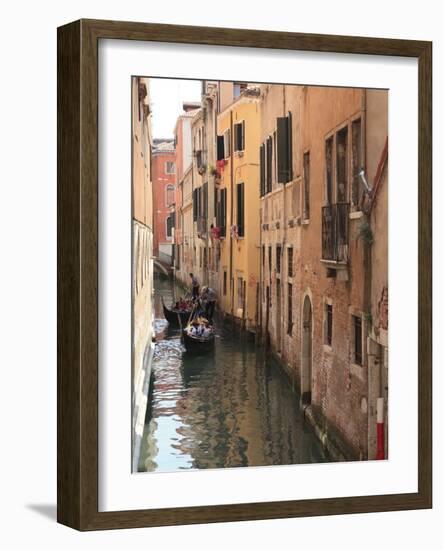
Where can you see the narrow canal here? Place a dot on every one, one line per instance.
(227, 409)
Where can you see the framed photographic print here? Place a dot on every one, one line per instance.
(244, 275)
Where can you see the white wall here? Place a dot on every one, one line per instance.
(28, 276)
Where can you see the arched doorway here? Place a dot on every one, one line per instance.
(306, 353)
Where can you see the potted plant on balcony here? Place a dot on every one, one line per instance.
(215, 173)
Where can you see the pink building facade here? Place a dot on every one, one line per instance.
(163, 184)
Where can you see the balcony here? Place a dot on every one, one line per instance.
(335, 234)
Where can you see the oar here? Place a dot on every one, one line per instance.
(191, 316)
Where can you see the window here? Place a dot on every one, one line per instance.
(169, 195)
(270, 260)
(240, 292)
(204, 200)
(169, 226)
(328, 332)
(221, 212)
(284, 149)
(239, 136)
(220, 147)
(262, 170)
(269, 165)
(238, 88)
(227, 143)
(306, 176)
(278, 258)
(241, 209)
(169, 167)
(357, 163)
(196, 203)
(357, 340)
(290, 309)
(329, 173)
(290, 262)
(274, 141)
(200, 159)
(342, 165)
(225, 281)
(263, 252)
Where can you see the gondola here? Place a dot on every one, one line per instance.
(175, 318)
(198, 344)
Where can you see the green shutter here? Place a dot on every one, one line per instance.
(240, 209)
(220, 148)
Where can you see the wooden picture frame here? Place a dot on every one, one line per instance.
(77, 456)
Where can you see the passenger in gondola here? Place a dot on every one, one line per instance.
(196, 328)
(208, 298)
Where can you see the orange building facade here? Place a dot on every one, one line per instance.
(164, 197)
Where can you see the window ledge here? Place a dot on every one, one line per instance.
(357, 214)
(305, 221)
(334, 264)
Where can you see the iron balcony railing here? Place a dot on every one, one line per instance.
(335, 232)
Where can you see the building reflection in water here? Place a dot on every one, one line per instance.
(228, 409)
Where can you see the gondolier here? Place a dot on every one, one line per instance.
(195, 285)
(208, 298)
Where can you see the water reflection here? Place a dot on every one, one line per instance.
(227, 409)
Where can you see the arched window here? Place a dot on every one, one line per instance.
(170, 195)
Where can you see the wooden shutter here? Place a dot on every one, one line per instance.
(205, 200)
(269, 165)
(240, 209)
(194, 204)
(262, 170)
(227, 143)
(222, 206)
(239, 136)
(290, 170)
(220, 147)
(282, 150)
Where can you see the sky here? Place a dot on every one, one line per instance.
(167, 97)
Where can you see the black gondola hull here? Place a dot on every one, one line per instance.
(174, 317)
(194, 344)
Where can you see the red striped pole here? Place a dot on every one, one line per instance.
(380, 430)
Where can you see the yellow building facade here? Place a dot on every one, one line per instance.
(142, 252)
(238, 204)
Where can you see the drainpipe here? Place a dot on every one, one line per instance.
(380, 430)
(367, 259)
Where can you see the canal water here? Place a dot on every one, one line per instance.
(227, 409)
